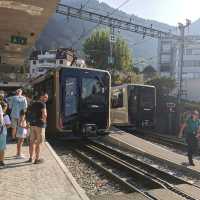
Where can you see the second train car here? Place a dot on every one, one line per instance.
(79, 101)
(133, 105)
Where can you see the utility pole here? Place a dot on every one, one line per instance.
(180, 66)
(181, 56)
(112, 40)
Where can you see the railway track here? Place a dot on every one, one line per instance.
(174, 143)
(135, 175)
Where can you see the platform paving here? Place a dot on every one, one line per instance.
(50, 180)
(126, 139)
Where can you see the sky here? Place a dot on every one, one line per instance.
(166, 11)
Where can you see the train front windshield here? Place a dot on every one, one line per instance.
(147, 97)
(142, 105)
(92, 93)
(85, 98)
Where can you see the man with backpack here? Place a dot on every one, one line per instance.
(37, 117)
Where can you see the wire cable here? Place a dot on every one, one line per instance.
(90, 30)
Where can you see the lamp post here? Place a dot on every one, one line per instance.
(181, 28)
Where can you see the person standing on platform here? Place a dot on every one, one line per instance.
(17, 103)
(22, 131)
(4, 124)
(192, 126)
(2, 138)
(38, 121)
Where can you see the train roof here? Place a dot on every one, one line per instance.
(132, 84)
(49, 73)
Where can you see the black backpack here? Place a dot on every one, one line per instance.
(30, 114)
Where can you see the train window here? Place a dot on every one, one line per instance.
(91, 86)
(92, 92)
(70, 98)
(133, 99)
(117, 98)
(147, 97)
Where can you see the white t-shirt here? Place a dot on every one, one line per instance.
(7, 120)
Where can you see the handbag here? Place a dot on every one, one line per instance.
(1, 129)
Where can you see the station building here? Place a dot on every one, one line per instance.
(43, 60)
(168, 64)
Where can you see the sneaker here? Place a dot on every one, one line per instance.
(38, 161)
(191, 164)
(20, 156)
(30, 160)
(2, 164)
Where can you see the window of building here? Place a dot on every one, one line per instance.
(166, 47)
(34, 62)
(41, 61)
(51, 61)
(165, 59)
(41, 69)
(188, 51)
(61, 62)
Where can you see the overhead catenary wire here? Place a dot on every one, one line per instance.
(90, 30)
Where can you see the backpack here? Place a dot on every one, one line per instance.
(30, 114)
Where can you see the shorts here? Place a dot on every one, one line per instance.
(37, 135)
(14, 122)
(2, 142)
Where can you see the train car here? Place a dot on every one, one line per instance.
(133, 105)
(79, 101)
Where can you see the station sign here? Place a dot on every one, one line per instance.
(18, 40)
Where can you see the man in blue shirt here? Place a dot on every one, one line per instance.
(17, 103)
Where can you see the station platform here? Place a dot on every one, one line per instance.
(50, 180)
(132, 142)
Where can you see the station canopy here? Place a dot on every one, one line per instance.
(21, 22)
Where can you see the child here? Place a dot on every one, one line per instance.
(22, 131)
(6, 123)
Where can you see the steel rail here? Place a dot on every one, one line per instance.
(112, 172)
(152, 173)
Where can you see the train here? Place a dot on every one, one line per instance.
(79, 101)
(133, 106)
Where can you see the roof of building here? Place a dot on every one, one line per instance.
(21, 22)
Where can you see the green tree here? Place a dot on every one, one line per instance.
(136, 70)
(97, 49)
(149, 72)
(120, 77)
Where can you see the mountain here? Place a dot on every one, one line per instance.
(62, 31)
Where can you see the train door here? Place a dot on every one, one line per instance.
(147, 106)
(69, 105)
(119, 114)
(94, 102)
(133, 104)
